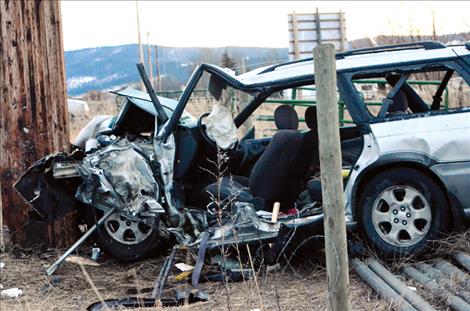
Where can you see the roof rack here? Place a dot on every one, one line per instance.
(273, 67)
(427, 45)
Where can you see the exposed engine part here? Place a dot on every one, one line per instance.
(120, 175)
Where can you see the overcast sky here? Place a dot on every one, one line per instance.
(245, 23)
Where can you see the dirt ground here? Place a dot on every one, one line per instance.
(298, 285)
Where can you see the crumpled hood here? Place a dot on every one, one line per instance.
(120, 176)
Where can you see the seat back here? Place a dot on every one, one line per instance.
(268, 179)
(308, 152)
(400, 104)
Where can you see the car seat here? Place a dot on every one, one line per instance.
(400, 104)
(268, 180)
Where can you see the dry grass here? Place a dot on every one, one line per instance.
(301, 286)
(102, 107)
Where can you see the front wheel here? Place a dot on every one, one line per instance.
(125, 239)
(401, 211)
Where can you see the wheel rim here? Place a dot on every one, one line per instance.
(401, 215)
(126, 231)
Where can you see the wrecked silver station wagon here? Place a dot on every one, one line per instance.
(165, 170)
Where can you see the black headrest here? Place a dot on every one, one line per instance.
(311, 117)
(286, 118)
(400, 103)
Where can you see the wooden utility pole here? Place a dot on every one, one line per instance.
(332, 182)
(318, 26)
(149, 55)
(434, 33)
(33, 108)
(295, 33)
(141, 49)
(342, 31)
(159, 86)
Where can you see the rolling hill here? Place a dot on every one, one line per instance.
(106, 68)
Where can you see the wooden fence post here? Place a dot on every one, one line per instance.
(332, 183)
(33, 109)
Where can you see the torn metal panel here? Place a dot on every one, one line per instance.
(244, 225)
(51, 199)
(165, 156)
(119, 176)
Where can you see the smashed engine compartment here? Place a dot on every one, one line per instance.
(126, 176)
(121, 176)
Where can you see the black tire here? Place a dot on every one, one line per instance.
(124, 252)
(411, 181)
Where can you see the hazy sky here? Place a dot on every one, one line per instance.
(245, 23)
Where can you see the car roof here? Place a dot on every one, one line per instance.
(293, 70)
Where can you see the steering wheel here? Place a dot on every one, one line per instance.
(205, 137)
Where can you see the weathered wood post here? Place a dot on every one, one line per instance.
(332, 183)
(33, 107)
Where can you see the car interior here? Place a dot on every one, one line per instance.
(257, 170)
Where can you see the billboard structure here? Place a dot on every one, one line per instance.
(307, 30)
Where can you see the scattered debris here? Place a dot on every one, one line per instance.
(11, 293)
(382, 288)
(184, 267)
(80, 241)
(95, 253)
(463, 259)
(414, 299)
(456, 303)
(441, 279)
(81, 261)
(136, 302)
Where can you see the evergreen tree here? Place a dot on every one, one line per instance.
(227, 61)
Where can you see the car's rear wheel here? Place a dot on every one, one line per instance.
(401, 211)
(125, 239)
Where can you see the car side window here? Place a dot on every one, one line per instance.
(455, 94)
(431, 89)
(300, 98)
